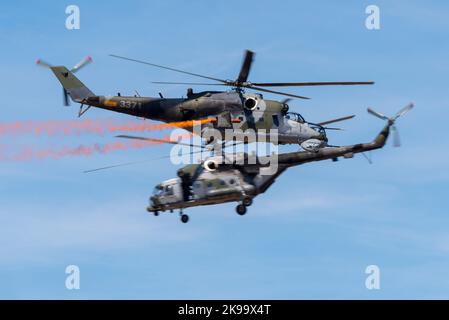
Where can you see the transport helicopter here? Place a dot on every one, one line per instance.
(215, 181)
(233, 109)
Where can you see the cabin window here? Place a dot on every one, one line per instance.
(169, 190)
(232, 181)
(276, 120)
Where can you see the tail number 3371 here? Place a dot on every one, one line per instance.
(127, 104)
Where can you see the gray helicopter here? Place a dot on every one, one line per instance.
(215, 181)
(234, 109)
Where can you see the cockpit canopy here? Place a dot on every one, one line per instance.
(294, 116)
(318, 128)
(163, 190)
(158, 190)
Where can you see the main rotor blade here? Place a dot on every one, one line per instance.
(168, 68)
(336, 120)
(246, 66)
(285, 101)
(119, 165)
(190, 83)
(396, 139)
(229, 84)
(276, 92)
(308, 84)
(160, 141)
(132, 163)
(331, 128)
(81, 64)
(148, 160)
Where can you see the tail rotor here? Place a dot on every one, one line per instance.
(392, 120)
(396, 139)
(77, 67)
(81, 64)
(43, 63)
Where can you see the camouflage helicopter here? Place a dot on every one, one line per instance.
(214, 181)
(234, 109)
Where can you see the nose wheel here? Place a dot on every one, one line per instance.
(241, 209)
(184, 217)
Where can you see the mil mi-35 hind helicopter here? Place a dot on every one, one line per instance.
(213, 182)
(233, 109)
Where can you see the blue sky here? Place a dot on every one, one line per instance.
(311, 235)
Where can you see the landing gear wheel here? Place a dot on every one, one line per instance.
(247, 201)
(156, 213)
(241, 209)
(184, 218)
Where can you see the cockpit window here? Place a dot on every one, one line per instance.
(320, 129)
(163, 190)
(158, 190)
(276, 120)
(294, 116)
(317, 128)
(169, 190)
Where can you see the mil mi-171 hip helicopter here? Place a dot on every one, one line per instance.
(234, 109)
(213, 182)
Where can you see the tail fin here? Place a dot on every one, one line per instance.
(74, 87)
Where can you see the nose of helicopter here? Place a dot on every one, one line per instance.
(316, 133)
(322, 137)
(153, 203)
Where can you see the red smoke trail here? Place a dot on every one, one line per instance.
(99, 126)
(28, 153)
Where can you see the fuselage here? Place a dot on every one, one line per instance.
(195, 107)
(196, 185)
(232, 110)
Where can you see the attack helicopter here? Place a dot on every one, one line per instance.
(215, 181)
(232, 110)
